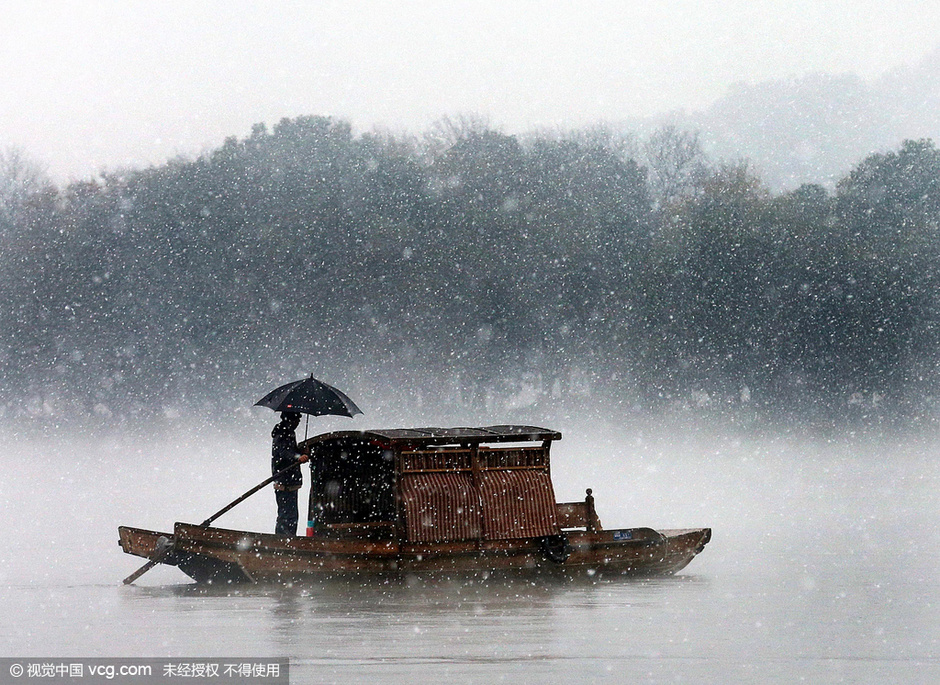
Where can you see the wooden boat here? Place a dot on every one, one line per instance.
(426, 500)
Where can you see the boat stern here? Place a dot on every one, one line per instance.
(203, 568)
(141, 542)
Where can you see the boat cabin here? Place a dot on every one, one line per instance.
(415, 500)
(428, 485)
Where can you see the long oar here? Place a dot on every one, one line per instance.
(162, 551)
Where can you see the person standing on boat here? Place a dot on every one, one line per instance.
(284, 452)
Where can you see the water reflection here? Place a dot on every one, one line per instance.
(427, 594)
(385, 628)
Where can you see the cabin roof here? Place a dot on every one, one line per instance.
(442, 436)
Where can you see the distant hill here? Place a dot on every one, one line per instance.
(813, 129)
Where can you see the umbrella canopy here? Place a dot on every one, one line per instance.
(309, 396)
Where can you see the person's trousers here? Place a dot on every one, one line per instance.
(286, 512)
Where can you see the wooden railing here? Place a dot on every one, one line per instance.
(460, 459)
(436, 460)
(514, 458)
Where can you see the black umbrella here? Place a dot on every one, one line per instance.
(310, 396)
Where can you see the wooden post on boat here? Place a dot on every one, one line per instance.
(476, 467)
(401, 527)
(476, 475)
(590, 517)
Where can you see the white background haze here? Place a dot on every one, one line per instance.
(94, 86)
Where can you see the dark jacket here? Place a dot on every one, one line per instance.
(284, 452)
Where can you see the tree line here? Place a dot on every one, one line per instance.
(474, 270)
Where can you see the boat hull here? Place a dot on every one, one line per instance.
(219, 555)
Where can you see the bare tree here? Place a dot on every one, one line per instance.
(448, 130)
(616, 139)
(20, 179)
(675, 161)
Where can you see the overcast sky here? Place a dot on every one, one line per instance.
(94, 85)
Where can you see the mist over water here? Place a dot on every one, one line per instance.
(822, 564)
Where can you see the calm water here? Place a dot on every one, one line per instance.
(822, 568)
